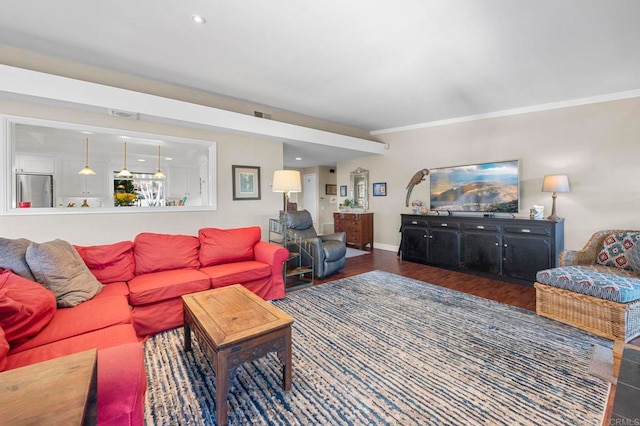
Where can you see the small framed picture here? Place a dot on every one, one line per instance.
(246, 183)
(331, 189)
(380, 189)
(343, 190)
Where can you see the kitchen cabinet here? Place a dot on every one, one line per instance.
(74, 185)
(509, 249)
(184, 182)
(34, 164)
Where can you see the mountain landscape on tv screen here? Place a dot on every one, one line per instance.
(478, 196)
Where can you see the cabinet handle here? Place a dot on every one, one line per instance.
(525, 230)
(480, 227)
(414, 222)
(444, 224)
(431, 236)
(505, 245)
(497, 244)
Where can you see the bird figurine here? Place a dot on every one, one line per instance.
(416, 179)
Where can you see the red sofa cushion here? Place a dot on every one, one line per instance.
(156, 317)
(162, 252)
(158, 286)
(122, 383)
(109, 262)
(89, 316)
(234, 273)
(227, 245)
(99, 339)
(26, 307)
(113, 289)
(4, 349)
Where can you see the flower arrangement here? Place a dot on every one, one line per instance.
(124, 199)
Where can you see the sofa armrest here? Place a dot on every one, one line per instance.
(589, 253)
(338, 236)
(271, 254)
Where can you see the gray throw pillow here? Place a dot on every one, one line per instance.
(58, 266)
(12, 254)
(633, 257)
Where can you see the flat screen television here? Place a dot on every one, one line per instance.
(486, 187)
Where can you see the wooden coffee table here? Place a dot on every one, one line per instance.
(61, 391)
(235, 326)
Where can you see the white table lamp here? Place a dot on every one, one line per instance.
(554, 184)
(286, 181)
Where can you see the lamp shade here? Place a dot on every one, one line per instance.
(286, 181)
(555, 183)
(86, 170)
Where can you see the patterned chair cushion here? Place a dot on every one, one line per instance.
(633, 257)
(604, 282)
(614, 248)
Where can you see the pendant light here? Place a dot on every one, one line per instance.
(159, 174)
(124, 172)
(86, 170)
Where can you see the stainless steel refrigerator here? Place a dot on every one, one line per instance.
(38, 189)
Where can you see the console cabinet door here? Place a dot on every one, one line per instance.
(482, 252)
(444, 247)
(524, 256)
(415, 244)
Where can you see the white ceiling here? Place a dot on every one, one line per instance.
(371, 64)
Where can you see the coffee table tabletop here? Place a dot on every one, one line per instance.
(61, 391)
(233, 314)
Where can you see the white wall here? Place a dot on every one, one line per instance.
(596, 145)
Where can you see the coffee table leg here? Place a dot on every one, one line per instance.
(222, 389)
(187, 336)
(285, 359)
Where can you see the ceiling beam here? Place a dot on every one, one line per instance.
(19, 81)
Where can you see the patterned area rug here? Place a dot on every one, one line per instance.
(352, 252)
(378, 348)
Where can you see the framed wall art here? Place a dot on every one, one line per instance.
(343, 190)
(380, 189)
(331, 189)
(246, 182)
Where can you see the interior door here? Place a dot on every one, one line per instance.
(310, 196)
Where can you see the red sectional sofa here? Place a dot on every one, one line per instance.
(142, 284)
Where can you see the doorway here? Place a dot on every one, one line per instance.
(310, 196)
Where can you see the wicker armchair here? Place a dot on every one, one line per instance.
(615, 321)
(589, 253)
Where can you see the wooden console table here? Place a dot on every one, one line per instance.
(503, 248)
(357, 225)
(61, 391)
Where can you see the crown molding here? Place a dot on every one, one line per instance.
(516, 111)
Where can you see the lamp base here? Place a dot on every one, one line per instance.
(554, 217)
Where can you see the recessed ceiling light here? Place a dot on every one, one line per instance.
(298, 158)
(198, 19)
(168, 158)
(142, 160)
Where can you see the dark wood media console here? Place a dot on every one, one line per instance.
(503, 248)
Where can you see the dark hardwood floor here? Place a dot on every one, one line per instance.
(500, 291)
